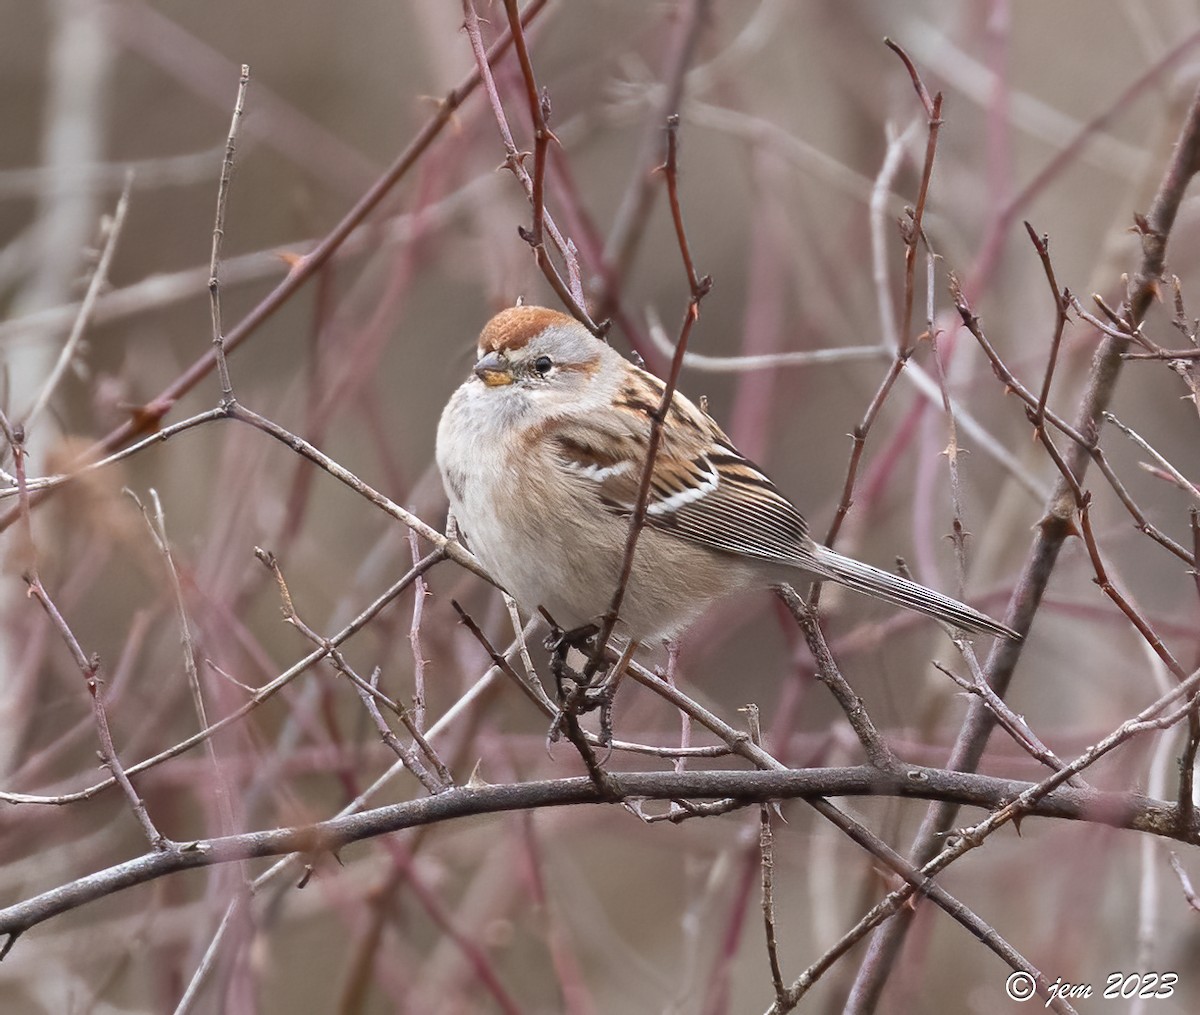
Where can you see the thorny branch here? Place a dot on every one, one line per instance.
(1053, 529)
(885, 774)
(148, 416)
(699, 288)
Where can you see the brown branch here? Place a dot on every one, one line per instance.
(514, 161)
(1055, 526)
(1122, 602)
(368, 691)
(420, 594)
(1119, 810)
(766, 851)
(633, 213)
(1061, 298)
(878, 752)
(148, 416)
(533, 692)
(958, 531)
(538, 112)
(699, 288)
(90, 668)
(912, 232)
(263, 693)
(158, 532)
(743, 745)
(218, 238)
(916, 884)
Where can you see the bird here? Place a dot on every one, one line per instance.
(542, 450)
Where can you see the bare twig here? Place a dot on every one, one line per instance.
(514, 161)
(1090, 447)
(699, 288)
(1185, 883)
(1061, 299)
(766, 849)
(1180, 479)
(218, 239)
(368, 691)
(158, 531)
(912, 231)
(1007, 798)
(878, 752)
(268, 690)
(958, 531)
(1054, 528)
(1013, 724)
(633, 214)
(96, 285)
(147, 418)
(420, 593)
(90, 668)
(539, 108)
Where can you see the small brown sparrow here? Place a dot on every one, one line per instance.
(541, 451)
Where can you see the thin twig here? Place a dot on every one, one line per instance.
(1012, 723)
(268, 690)
(368, 691)
(112, 232)
(1185, 883)
(1089, 447)
(699, 288)
(90, 668)
(1180, 479)
(514, 161)
(878, 752)
(912, 230)
(766, 850)
(633, 214)
(539, 105)
(533, 692)
(158, 531)
(1123, 604)
(148, 416)
(958, 531)
(218, 239)
(420, 593)
(1061, 298)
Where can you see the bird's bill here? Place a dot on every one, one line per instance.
(493, 371)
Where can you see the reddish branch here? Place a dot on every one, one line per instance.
(699, 287)
(147, 417)
(1056, 525)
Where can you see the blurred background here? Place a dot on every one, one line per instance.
(801, 145)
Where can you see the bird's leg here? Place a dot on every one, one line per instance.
(576, 701)
(583, 696)
(558, 644)
(606, 692)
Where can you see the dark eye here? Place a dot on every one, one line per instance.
(543, 365)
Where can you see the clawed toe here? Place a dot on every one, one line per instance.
(560, 641)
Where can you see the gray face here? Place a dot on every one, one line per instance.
(549, 372)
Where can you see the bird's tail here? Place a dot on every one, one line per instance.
(876, 582)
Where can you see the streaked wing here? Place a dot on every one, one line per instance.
(703, 489)
(744, 513)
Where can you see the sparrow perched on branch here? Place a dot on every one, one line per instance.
(542, 451)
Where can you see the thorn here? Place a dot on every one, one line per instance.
(475, 781)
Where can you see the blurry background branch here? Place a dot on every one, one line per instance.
(832, 204)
